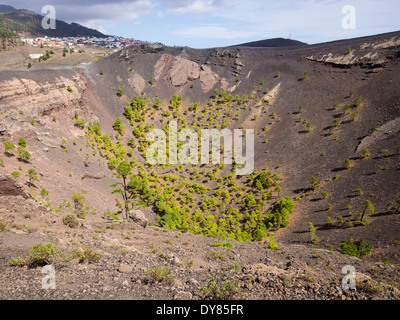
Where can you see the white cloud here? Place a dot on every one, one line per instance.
(213, 31)
(96, 24)
(104, 16)
(109, 11)
(92, 10)
(197, 6)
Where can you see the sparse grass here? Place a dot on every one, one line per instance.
(84, 254)
(365, 153)
(160, 275)
(219, 254)
(306, 276)
(237, 266)
(370, 287)
(385, 152)
(154, 249)
(100, 228)
(215, 290)
(123, 250)
(188, 262)
(222, 244)
(2, 226)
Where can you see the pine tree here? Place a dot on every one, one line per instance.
(32, 176)
(347, 164)
(22, 142)
(120, 92)
(124, 170)
(119, 126)
(314, 183)
(368, 206)
(313, 233)
(8, 146)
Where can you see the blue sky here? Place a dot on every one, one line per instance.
(214, 23)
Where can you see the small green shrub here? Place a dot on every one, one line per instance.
(260, 233)
(313, 233)
(272, 244)
(355, 248)
(159, 275)
(329, 221)
(8, 146)
(23, 154)
(91, 255)
(22, 142)
(42, 254)
(15, 174)
(17, 261)
(215, 291)
(70, 220)
(385, 152)
(222, 244)
(222, 254)
(365, 153)
(80, 123)
(347, 164)
(314, 183)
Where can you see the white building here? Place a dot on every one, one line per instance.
(35, 55)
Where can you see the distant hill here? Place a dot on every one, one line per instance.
(273, 43)
(6, 8)
(13, 22)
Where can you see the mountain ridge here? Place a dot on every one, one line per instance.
(18, 21)
(6, 8)
(272, 43)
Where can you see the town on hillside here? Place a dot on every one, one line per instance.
(112, 42)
